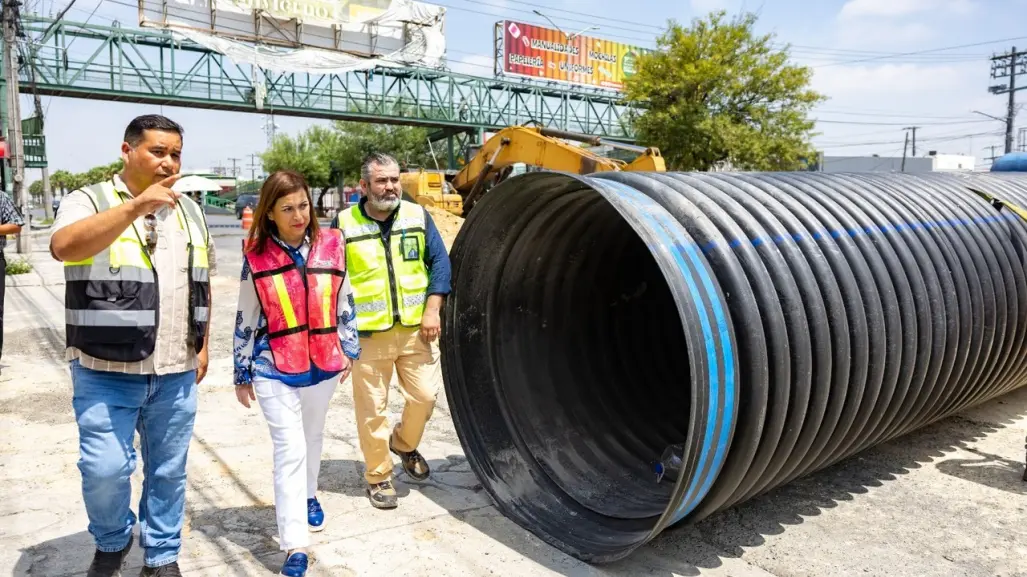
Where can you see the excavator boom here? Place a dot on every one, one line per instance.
(543, 148)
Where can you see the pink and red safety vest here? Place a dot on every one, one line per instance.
(300, 305)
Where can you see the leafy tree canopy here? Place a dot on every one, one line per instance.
(718, 92)
(322, 154)
(67, 181)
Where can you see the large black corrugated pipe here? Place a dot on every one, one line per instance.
(772, 324)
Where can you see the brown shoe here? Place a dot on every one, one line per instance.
(382, 495)
(413, 463)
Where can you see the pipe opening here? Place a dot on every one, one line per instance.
(567, 331)
(582, 295)
(595, 320)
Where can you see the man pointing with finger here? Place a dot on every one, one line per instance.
(400, 274)
(137, 259)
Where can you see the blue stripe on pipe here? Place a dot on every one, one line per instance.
(730, 385)
(666, 229)
(854, 232)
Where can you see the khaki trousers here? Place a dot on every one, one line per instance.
(420, 376)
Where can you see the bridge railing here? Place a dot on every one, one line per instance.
(219, 202)
(152, 66)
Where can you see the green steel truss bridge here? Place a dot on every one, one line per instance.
(150, 66)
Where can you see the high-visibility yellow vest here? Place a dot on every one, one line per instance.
(111, 299)
(389, 285)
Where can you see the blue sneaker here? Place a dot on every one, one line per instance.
(315, 516)
(295, 565)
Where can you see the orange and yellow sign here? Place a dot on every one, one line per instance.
(544, 53)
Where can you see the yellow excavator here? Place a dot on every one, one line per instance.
(537, 147)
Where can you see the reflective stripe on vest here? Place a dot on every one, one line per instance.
(112, 300)
(301, 306)
(389, 286)
(192, 220)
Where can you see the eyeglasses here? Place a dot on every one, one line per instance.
(150, 222)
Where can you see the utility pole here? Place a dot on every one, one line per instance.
(1022, 139)
(235, 171)
(992, 157)
(47, 193)
(904, 147)
(913, 128)
(1010, 66)
(253, 167)
(14, 139)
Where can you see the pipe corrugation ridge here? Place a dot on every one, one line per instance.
(771, 324)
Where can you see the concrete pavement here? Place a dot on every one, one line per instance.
(945, 501)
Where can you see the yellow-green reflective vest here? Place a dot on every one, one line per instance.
(389, 286)
(111, 300)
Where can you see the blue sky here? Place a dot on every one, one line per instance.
(858, 48)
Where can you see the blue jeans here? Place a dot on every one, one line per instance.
(109, 408)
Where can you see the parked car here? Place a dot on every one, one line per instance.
(242, 202)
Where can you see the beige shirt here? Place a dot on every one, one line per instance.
(173, 353)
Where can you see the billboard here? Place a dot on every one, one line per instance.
(547, 54)
(364, 28)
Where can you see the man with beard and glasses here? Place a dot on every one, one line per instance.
(137, 259)
(400, 272)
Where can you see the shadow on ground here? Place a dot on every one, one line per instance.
(687, 548)
(68, 555)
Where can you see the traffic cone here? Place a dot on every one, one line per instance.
(247, 218)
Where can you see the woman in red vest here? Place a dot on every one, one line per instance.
(295, 338)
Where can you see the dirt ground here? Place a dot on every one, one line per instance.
(448, 224)
(946, 501)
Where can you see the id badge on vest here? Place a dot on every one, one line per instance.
(411, 251)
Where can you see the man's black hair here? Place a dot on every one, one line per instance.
(140, 124)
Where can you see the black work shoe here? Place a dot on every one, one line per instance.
(109, 564)
(169, 570)
(382, 495)
(413, 463)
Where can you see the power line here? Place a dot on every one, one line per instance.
(591, 18)
(928, 51)
(935, 139)
(868, 123)
(1010, 65)
(913, 128)
(884, 114)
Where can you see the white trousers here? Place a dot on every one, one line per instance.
(296, 419)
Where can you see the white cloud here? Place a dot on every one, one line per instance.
(899, 8)
(884, 36)
(887, 8)
(702, 7)
(857, 82)
(937, 98)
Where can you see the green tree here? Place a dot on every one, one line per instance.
(407, 144)
(36, 189)
(719, 92)
(66, 182)
(60, 180)
(308, 154)
(322, 154)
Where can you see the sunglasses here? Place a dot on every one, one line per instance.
(150, 222)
